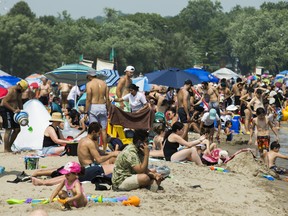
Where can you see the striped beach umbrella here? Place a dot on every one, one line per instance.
(8, 81)
(112, 77)
(34, 78)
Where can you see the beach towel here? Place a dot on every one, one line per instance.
(137, 120)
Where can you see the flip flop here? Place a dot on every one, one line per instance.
(15, 181)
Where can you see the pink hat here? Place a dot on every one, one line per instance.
(71, 167)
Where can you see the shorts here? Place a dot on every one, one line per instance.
(263, 143)
(49, 150)
(130, 183)
(91, 172)
(229, 137)
(209, 126)
(8, 121)
(44, 100)
(98, 113)
(182, 115)
(237, 100)
(279, 170)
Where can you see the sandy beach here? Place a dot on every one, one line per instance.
(237, 192)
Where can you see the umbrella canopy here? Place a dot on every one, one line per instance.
(8, 81)
(3, 92)
(203, 75)
(284, 72)
(112, 77)
(71, 74)
(172, 77)
(34, 78)
(225, 73)
(2, 73)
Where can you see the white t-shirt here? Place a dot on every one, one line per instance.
(136, 102)
(73, 93)
(207, 121)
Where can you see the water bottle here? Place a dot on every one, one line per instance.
(2, 169)
(269, 177)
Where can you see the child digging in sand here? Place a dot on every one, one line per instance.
(74, 196)
(272, 155)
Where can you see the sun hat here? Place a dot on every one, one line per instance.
(212, 114)
(231, 108)
(23, 83)
(56, 116)
(71, 167)
(129, 68)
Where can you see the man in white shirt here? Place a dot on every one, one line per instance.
(72, 96)
(136, 99)
(207, 122)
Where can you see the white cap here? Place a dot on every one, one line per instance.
(130, 68)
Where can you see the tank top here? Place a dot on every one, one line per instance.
(69, 188)
(47, 141)
(169, 149)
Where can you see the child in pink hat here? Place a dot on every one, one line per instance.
(74, 194)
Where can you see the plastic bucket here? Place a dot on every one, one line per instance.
(31, 163)
(21, 118)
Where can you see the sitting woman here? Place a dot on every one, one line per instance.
(172, 140)
(157, 148)
(54, 142)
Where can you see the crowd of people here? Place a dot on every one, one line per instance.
(204, 109)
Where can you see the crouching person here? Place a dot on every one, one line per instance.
(131, 166)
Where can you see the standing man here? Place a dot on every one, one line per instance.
(97, 103)
(64, 89)
(183, 99)
(236, 90)
(123, 86)
(12, 104)
(72, 96)
(44, 91)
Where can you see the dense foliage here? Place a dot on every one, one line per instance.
(200, 34)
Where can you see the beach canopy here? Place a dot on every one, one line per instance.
(284, 72)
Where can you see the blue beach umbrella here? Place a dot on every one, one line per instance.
(112, 77)
(203, 75)
(172, 77)
(8, 81)
(284, 72)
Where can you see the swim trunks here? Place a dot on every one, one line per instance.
(98, 113)
(8, 121)
(263, 143)
(279, 170)
(182, 115)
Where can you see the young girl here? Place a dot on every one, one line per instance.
(228, 131)
(74, 196)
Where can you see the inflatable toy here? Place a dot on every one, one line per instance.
(132, 201)
(220, 169)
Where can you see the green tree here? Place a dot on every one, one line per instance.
(21, 8)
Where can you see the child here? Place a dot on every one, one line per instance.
(272, 155)
(262, 123)
(228, 131)
(74, 196)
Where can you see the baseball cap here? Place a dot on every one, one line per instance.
(212, 114)
(130, 68)
(91, 72)
(71, 167)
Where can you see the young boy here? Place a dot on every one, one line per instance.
(273, 155)
(228, 131)
(262, 124)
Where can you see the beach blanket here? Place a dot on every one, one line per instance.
(139, 120)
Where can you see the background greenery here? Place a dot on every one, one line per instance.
(200, 34)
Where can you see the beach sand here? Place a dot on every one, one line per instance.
(232, 193)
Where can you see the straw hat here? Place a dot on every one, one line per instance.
(56, 116)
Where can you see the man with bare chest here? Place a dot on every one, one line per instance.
(210, 95)
(183, 98)
(123, 86)
(11, 104)
(44, 91)
(97, 103)
(64, 89)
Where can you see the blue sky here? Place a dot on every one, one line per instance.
(93, 8)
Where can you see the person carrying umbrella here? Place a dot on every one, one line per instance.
(10, 105)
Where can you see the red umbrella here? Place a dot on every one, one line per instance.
(3, 92)
(34, 85)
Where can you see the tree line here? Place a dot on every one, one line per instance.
(201, 34)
